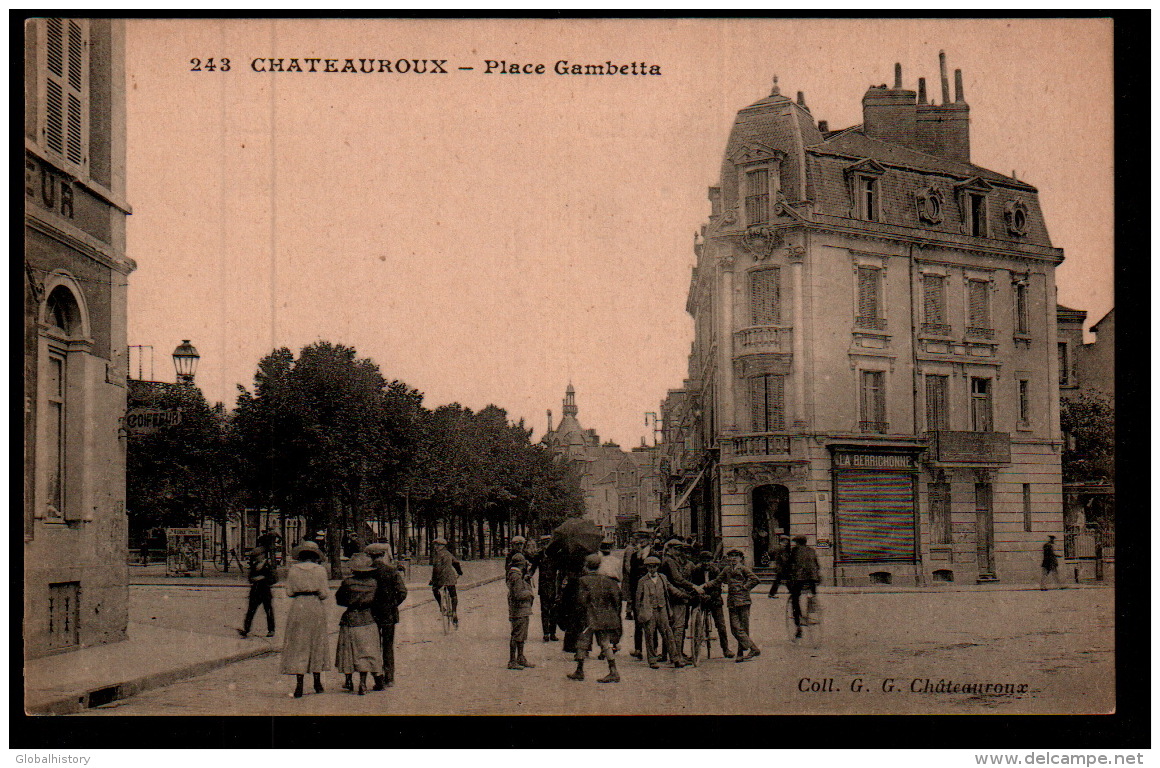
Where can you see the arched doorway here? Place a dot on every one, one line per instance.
(770, 504)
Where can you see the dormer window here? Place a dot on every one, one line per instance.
(757, 196)
(868, 198)
(866, 195)
(977, 210)
(972, 195)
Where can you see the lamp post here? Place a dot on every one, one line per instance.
(185, 359)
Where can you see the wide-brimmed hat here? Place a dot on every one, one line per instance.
(378, 549)
(360, 563)
(440, 540)
(518, 540)
(307, 546)
(651, 560)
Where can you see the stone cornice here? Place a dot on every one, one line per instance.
(77, 240)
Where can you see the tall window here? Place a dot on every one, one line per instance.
(873, 405)
(757, 196)
(65, 89)
(767, 403)
(940, 513)
(937, 407)
(977, 209)
(54, 431)
(765, 296)
(1024, 403)
(934, 305)
(868, 197)
(1027, 507)
(870, 298)
(1022, 325)
(981, 405)
(1064, 369)
(979, 309)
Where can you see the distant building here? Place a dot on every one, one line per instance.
(874, 364)
(621, 489)
(76, 276)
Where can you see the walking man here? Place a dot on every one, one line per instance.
(445, 572)
(390, 593)
(779, 560)
(1050, 564)
(804, 575)
(263, 575)
(633, 570)
(547, 587)
(600, 600)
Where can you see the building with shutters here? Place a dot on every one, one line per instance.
(76, 274)
(874, 363)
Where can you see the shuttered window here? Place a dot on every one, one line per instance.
(1064, 367)
(757, 197)
(55, 435)
(934, 304)
(765, 296)
(937, 408)
(1027, 507)
(873, 405)
(978, 308)
(981, 405)
(869, 297)
(940, 512)
(1024, 403)
(1021, 319)
(767, 403)
(875, 515)
(65, 89)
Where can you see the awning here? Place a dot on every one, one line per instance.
(684, 496)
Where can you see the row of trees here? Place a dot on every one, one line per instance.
(326, 436)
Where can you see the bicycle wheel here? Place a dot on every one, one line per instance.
(812, 631)
(790, 627)
(698, 626)
(445, 609)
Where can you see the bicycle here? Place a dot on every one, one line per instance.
(447, 611)
(700, 633)
(811, 619)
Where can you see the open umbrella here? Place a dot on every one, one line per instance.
(572, 541)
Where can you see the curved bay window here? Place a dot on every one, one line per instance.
(767, 403)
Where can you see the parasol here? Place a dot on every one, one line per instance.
(572, 541)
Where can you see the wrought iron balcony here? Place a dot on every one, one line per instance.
(762, 339)
(979, 332)
(970, 447)
(873, 323)
(874, 427)
(758, 444)
(937, 329)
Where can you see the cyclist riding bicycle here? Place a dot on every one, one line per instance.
(804, 575)
(445, 572)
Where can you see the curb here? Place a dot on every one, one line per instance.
(74, 703)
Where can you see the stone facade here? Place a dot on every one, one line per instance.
(874, 363)
(76, 274)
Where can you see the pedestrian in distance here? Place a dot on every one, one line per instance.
(547, 587)
(445, 572)
(600, 598)
(269, 541)
(390, 592)
(779, 560)
(359, 649)
(634, 569)
(305, 648)
(704, 575)
(804, 575)
(738, 579)
(263, 576)
(1049, 565)
(520, 599)
(653, 596)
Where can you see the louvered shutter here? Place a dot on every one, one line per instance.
(933, 299)
(757, 403)
(868, 290)
(978, 308)
(940, 513)
(66, 88)
(765, 296)
(775, 399)
(936, 403)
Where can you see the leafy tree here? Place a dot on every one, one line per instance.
(1089, 423)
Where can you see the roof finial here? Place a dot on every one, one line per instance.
(776, 91)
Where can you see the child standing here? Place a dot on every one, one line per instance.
(520, 599)
(358, 632)
(600, 600)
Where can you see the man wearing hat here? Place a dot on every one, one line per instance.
(653, 595)
(263, 575)
(704, 575)
(547, 589)
(676, 569)
(390, 593)
(600, 599)
(804, 575)
(520, 599)
(779, 560)
(445, 572)
(633, 569)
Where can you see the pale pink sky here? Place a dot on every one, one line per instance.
(489, 238)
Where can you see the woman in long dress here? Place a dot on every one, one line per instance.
(359, 649)
(305, 648)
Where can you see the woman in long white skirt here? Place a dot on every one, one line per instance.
(305, 648)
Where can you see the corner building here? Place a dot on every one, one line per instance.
(874, 363)
(75, 287)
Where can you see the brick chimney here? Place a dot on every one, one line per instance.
(889, 113)
(944, 129)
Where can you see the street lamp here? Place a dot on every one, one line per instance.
(185, 359)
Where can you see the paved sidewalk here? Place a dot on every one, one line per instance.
(178, 629)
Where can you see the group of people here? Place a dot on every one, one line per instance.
(659, 584)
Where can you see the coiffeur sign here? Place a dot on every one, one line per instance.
(146, 421)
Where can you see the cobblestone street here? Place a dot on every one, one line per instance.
(1058, 644)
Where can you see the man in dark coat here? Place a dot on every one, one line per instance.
(804, 575)
(547, 587)
(445, 572)
(676, 569)
(390, 592)
(779, 561)
(263, 575)
(600, 602)
(703, 575)
(1049, 564)
(653, 596)
(633, 569)
(738, 579)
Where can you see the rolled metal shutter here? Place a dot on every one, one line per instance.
(875, 516)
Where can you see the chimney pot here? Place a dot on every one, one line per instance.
(823, 126)
(959, 86)
(922, 90)
(801, 99)
(942, 71)
(897, 75)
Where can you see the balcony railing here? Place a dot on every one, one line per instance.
(874, 427)
(970, 447)
(979, 332)
(757, 445)
(762, 338)
(873, 323)
(937, 329)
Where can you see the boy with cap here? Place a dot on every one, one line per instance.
(600, 602)
(653, 594)
(445, 572)
(520, 598)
